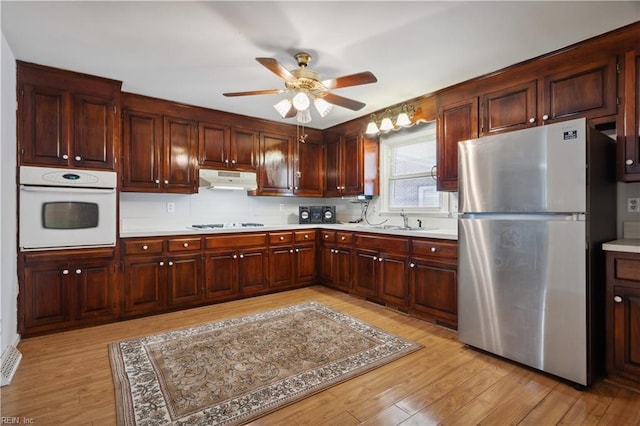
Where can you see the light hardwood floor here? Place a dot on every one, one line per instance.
(65, 378)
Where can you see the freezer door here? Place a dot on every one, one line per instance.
(541, 169)
(522, 292)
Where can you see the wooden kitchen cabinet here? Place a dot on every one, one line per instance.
(508, 109)
(159, 147)
(335, 259)
(144, 285)
(628, 140)
(276, 165)
(292, 258)
(351, 164)
(380, 269)
(57, 294)
(308, 168)
(433, 282)
(67, 119)
(184, 273)
(623, 317)
(226, 147)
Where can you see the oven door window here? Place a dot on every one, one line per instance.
(70, 215)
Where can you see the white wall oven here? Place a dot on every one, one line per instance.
(66, 208)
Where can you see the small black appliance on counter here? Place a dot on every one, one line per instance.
(317, 214)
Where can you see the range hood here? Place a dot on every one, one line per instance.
(227, 179)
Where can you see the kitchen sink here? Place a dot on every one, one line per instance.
(403, 228)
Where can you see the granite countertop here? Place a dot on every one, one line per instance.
(446, 234)
(627, 245)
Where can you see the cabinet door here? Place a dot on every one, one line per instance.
(308, 169)
(327, 264)
(93, 137)
(456, 122)
(48, 296)
(221, 274)
(252, 271)
(392, 280)
(434, 292)
(142, 149)
(626, 323)
(629, 143)
(44, 126)
(276, 165)
(586, 91)
(509, 109)
(244, 149)
(145, 284)
(281, 267)
(213, 145)
(305, 266)
(184, 274)
(351, 163)
(179, 156)
(332, 179)
(96, 290)
(365, 268)
(342, 269)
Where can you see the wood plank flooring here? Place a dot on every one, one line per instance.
(65, 378)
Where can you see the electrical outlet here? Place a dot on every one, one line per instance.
(633, 205)
(171, 207)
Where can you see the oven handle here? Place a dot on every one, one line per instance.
(67, 189)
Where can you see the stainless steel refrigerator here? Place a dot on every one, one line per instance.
(535, 207)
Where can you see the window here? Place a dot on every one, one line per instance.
(408, 161)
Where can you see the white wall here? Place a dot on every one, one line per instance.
(8, 204)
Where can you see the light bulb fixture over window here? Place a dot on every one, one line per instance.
(386, 124)
(407, 117)
(372, 127)
(403, 119)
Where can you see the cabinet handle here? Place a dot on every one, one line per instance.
(434, 249)
(617, 299)
(629, 162)
(281, 238)
(412, 265)
(170, 263)
(185, 245)
(545, 117)
(226, 161)
(161, 263)
(145, 247)
(380, 259)
(65, 157)
(343, 238)
(78, 271)
(65, 272)
(375, 257)
(333, 251)
(235, 256)
(338, 188)
(78, 158)
(233, 161)
(532, 120)
(291, 251)
(242, 256)
(297, 250)
(157, 181)
(326, 236)
(306, 236)
(166, 182)
(295, 187)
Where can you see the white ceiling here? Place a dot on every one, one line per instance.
(192, 52)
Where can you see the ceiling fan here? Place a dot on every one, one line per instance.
(308, 87)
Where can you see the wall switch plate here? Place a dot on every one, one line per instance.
(281, 207)
(171, 207)
(633, 205)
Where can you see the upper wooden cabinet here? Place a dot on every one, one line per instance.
(67, 119)
(350, 164)
(226, 147)
(508, 109)
(628, 143)
(308, 170)
(159, 147)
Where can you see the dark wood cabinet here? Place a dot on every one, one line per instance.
(433, 282)
(623, 317)
(276, 165)
(184, 280)
(308, 168)
(628, 140)
(67, 119)
(58, 293)
(144, 285)
(159, 148)
(292, 258)
(457, 121)
(508, 109)
(351, 164)
(226, 147)
(335, 259)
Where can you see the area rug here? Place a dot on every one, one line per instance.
(232, 371)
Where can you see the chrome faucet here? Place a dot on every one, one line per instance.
(405, 218)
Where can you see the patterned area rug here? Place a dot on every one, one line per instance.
(233, 371)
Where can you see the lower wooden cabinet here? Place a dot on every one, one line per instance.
(57, 293)
(144, 285)
(335, 253)
(623, 317)
(292, 258)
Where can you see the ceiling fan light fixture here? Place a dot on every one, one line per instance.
(301, 101)
(304, 116)
(323, 107)
(283, 107)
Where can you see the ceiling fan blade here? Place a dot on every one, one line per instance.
(276, 68)
(256, 92)
(350, 80)
(343, 102)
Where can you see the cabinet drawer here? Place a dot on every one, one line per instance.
(301, 236)
(627, 269)
(328, 236)
(236, 241)
(280, 237)
(143, 246)
(184, 244)
(434, 248)
(384, 244)
(344, 237)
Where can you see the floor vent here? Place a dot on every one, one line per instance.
(10, 360)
